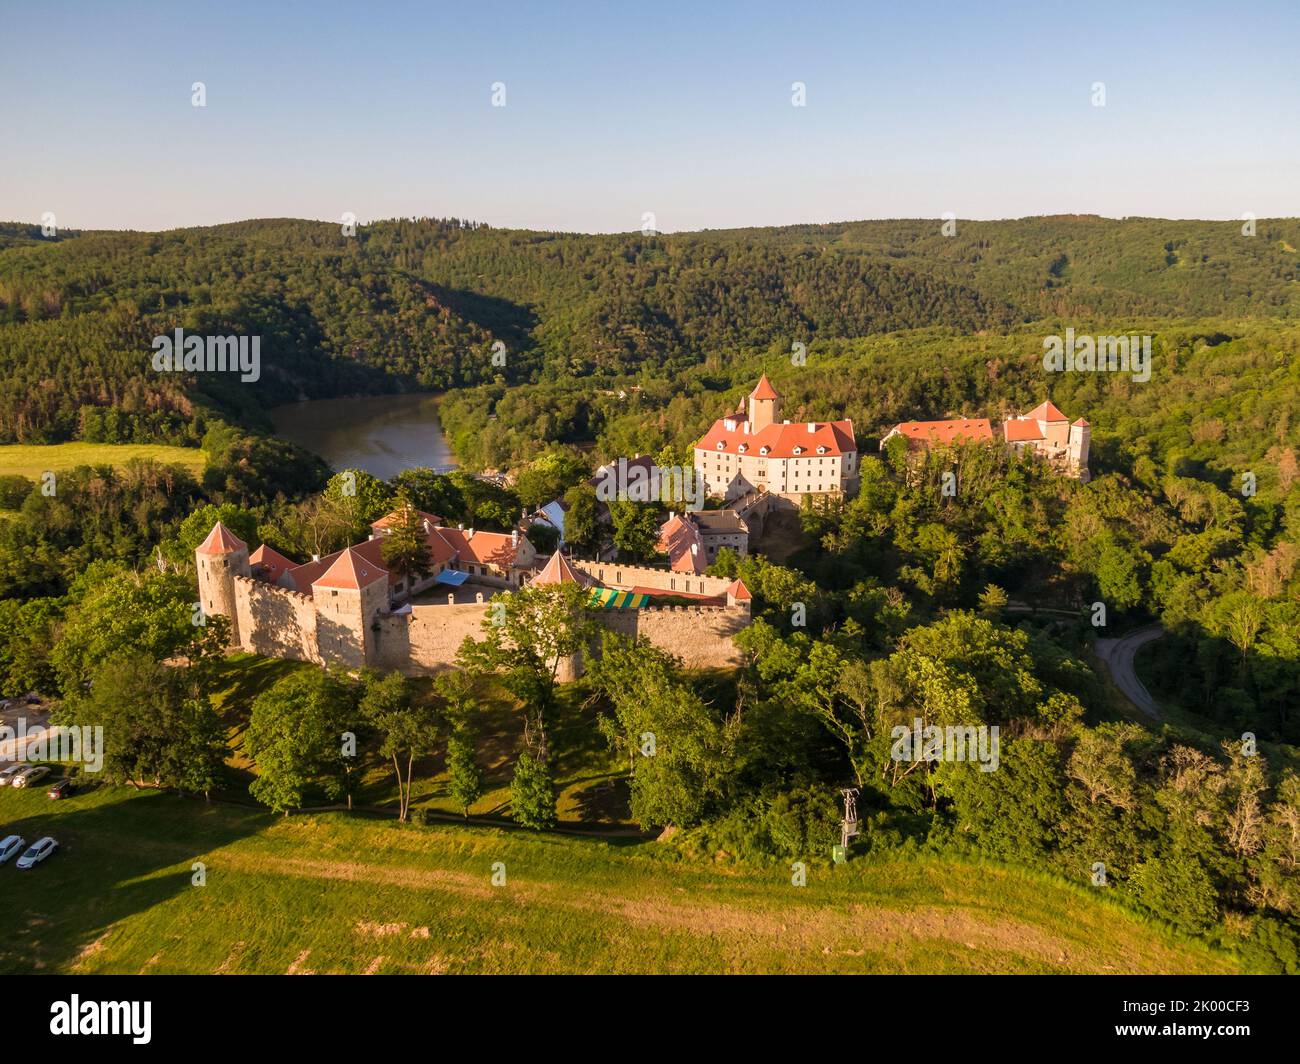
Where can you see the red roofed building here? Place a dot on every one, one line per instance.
(1048, 433)
(1045, 431)
(753, 450)
(692, 539)
(922, 434)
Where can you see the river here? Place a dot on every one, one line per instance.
(382, 434)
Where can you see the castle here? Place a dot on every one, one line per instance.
(752, 451)
(348, 608)
(1044, 431)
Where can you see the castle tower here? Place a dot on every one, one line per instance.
(219, 559)
(347, 598)
(1080, 441)
(764, 405)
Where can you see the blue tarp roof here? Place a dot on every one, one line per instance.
(453, 577)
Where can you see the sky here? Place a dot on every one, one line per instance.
(622, 114)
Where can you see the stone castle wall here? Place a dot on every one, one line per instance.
(274, 621)
(700, 635)
(279, 623)
(611, 574)
(427, 638)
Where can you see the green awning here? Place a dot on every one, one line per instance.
(611, 599)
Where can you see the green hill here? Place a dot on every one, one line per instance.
(329, 893)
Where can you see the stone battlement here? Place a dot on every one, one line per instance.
(355, 627)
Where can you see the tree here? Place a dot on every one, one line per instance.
(295, 737)
(528, 635)
(407, 728)
(434, 493)
(405, 548)
(678, 754)
(158, 729)
(465, 781)
(532, 792)
(357, 498)
(195, 528)
(547, 477)
(582, 519)
(636, 528)
(150, 613)
(26, 635)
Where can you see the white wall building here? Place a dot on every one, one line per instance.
(754, 450)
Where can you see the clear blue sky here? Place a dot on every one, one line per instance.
(615, 109)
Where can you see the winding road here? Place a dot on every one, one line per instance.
(1118, 654)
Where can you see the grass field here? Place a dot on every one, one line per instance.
(338, 893)
(31, 460)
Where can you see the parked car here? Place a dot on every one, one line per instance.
(10, 845)
(61, 788)
(30, 774)
(9, 772)
(37, 852)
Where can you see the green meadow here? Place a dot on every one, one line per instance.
(31, 460)
(339, 893)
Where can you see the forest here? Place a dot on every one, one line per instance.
(557, 351)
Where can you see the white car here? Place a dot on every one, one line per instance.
(30, 774)
(37, 852)
(10, 845)
(9, 772)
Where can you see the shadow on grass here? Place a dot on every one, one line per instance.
(120, 854)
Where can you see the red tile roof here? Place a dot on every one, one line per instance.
(1046, 411)
(679, 538)
(389, 520)
(764, 390)
(1082, 423)
(221, 541)
(739, 591)
(485, 548)
(1016, 430)
(931, 432)
(351, 570)
(559, 571)
(780, 440)
(270, 563)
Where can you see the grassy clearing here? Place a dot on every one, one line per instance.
(333, 893)
(31, 460)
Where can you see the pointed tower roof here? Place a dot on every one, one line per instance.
(738, 591)
(350, 570)
(221, 541)
(1046, 411)
(764, 390)
(558, 571)
(1082, 424)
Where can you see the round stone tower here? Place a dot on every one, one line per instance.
(219, 559)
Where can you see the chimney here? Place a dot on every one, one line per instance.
(812, 426)
(514, 537)
(315, 557)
